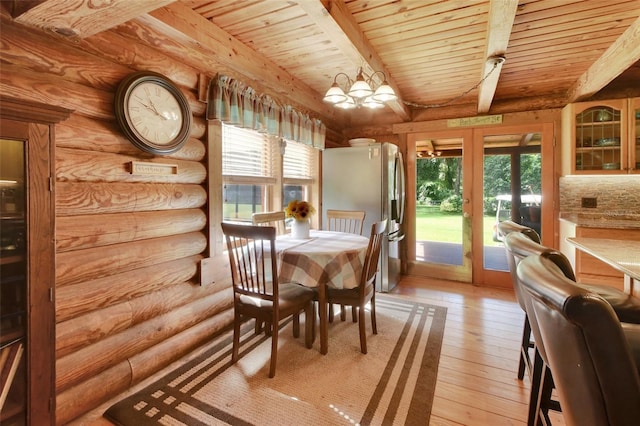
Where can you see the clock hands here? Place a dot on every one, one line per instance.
(151, 107)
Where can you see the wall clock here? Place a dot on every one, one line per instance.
(152, 112)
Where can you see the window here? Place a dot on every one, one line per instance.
(299, 171)
(256, 177)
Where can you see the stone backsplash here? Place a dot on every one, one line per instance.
(616, 195)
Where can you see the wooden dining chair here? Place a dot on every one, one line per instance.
(256, 290)
(365, 293)
(350, 221)
(275, 218)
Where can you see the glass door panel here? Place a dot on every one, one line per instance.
(13, 283)
(510, 185)
(442, 239)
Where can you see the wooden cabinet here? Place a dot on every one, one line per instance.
(588, 269)
(27, 262)
(601, 137)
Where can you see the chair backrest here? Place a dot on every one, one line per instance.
(276, 219)
(508, 226)
(593, 367)
(370, 267)
(253, 267)
(518, 247)
(350, 221)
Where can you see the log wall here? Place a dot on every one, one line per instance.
(128, 247)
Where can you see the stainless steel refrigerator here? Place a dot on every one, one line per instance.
(369, 178)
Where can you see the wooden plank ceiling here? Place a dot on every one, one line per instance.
(434, 53)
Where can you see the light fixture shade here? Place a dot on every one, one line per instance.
(370, 102)
(349, 103)
(360, 88)
(384, 93)
(334, 95)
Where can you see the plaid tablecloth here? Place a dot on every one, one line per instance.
(334, 258)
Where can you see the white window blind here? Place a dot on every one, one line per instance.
(246, 153)
(299, 161)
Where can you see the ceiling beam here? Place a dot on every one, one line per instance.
(335, 20)
(620, 56)
(501, 17)
(215, 48)
(82, 18)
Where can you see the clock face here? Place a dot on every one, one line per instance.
(153, 113)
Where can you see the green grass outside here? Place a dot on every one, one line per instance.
(434, 225)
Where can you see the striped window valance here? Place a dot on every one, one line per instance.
(234, 103)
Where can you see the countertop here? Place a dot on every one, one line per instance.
(613, 220)
(622, 255)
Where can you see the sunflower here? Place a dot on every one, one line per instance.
(299, 210)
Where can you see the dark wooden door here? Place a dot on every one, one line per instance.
(32, 125)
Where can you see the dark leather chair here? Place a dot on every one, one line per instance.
(627, 309)
(505, 228)
(518, 247)
(593, 364)
(508, 226)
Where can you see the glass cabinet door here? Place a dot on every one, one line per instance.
(13, 284)
(598, 138)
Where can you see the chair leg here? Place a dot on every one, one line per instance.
(310, 325)
(274, 353)
(258, 328)
(525, 361)
(296, 325)
(374, 325)
(363, 331)
(330, 317)
(343, 313)
(354, 314)
(545, 402)
(236, 337)
(536, 378)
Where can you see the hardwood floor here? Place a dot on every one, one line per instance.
(477, 376)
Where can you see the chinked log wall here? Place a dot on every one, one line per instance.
(128, 247)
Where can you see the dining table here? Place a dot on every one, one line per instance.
(623, 255)
(325, 259)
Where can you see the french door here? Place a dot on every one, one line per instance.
(462, 179)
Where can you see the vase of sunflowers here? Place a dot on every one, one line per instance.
(301, 212)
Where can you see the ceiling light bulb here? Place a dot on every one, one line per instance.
(371, 102)
(349, 103)
(360, 88)
(384, 93)
(335, 94)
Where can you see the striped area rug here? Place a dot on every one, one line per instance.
(391, 385)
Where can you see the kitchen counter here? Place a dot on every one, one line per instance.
(610, 220)
(619, 254)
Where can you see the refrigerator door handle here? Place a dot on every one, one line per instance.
(395, 236)
(397, 205)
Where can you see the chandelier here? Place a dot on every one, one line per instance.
(360, 92)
